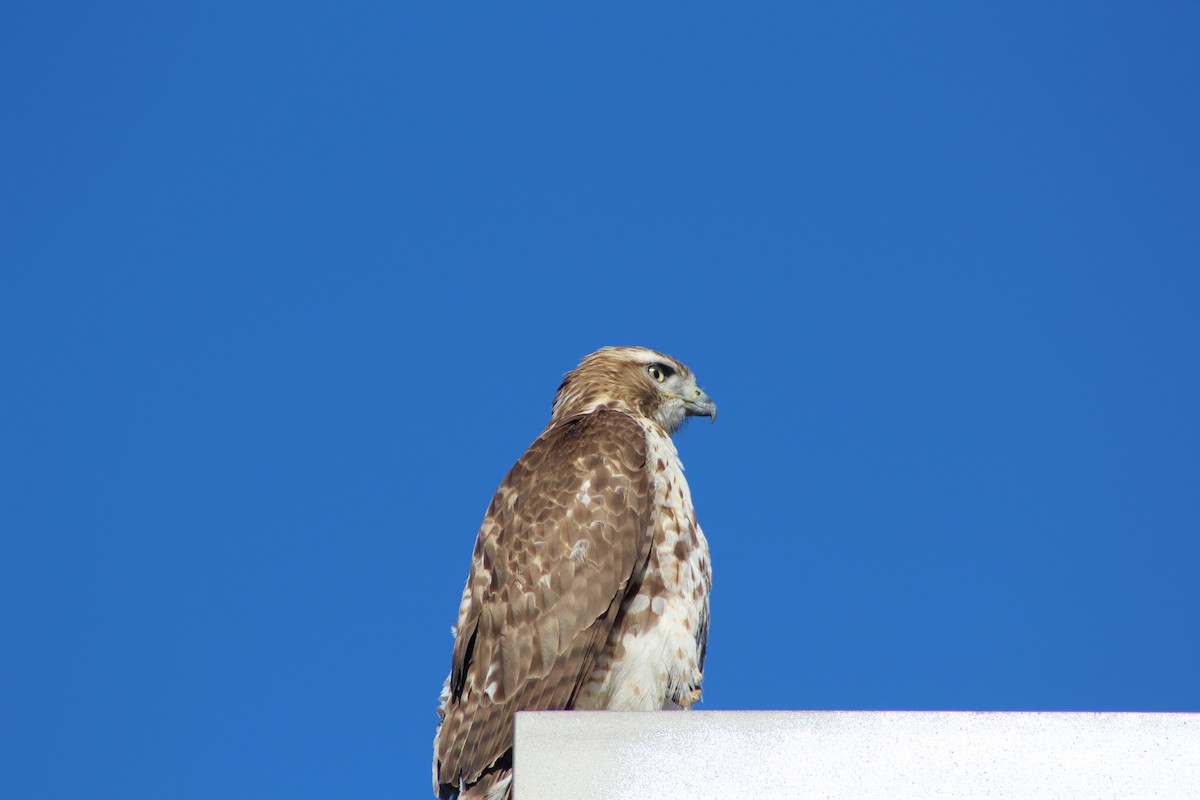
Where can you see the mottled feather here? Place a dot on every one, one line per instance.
(537, 615)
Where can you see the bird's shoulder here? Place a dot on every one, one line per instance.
(577, 459)
(578, 445)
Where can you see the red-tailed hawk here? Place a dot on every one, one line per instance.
(590, 577)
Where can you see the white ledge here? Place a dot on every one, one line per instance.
(855, 754)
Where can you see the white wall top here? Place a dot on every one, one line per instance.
(855, 754)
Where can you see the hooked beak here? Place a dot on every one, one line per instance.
(701, 406)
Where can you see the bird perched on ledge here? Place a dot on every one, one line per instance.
(590, 577)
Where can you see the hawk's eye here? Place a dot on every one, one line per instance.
(660, 372)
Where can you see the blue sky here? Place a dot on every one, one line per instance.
(286, 288)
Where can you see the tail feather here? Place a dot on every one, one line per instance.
(493, 785)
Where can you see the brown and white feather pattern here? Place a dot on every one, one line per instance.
(590, 576)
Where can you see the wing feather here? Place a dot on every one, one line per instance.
(566, 532)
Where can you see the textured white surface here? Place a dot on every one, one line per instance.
(855, 754)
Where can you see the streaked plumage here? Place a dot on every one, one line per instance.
(590, 576)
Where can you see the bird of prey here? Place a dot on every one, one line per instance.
(590, 576)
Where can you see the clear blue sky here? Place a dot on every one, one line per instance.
(286, 288)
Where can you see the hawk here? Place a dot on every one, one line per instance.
(590, 576)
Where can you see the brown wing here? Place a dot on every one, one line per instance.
(549, 572)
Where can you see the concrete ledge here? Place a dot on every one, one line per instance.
(855, 754)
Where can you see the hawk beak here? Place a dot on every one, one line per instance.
(701, 406)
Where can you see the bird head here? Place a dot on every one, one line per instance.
(634, 379)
